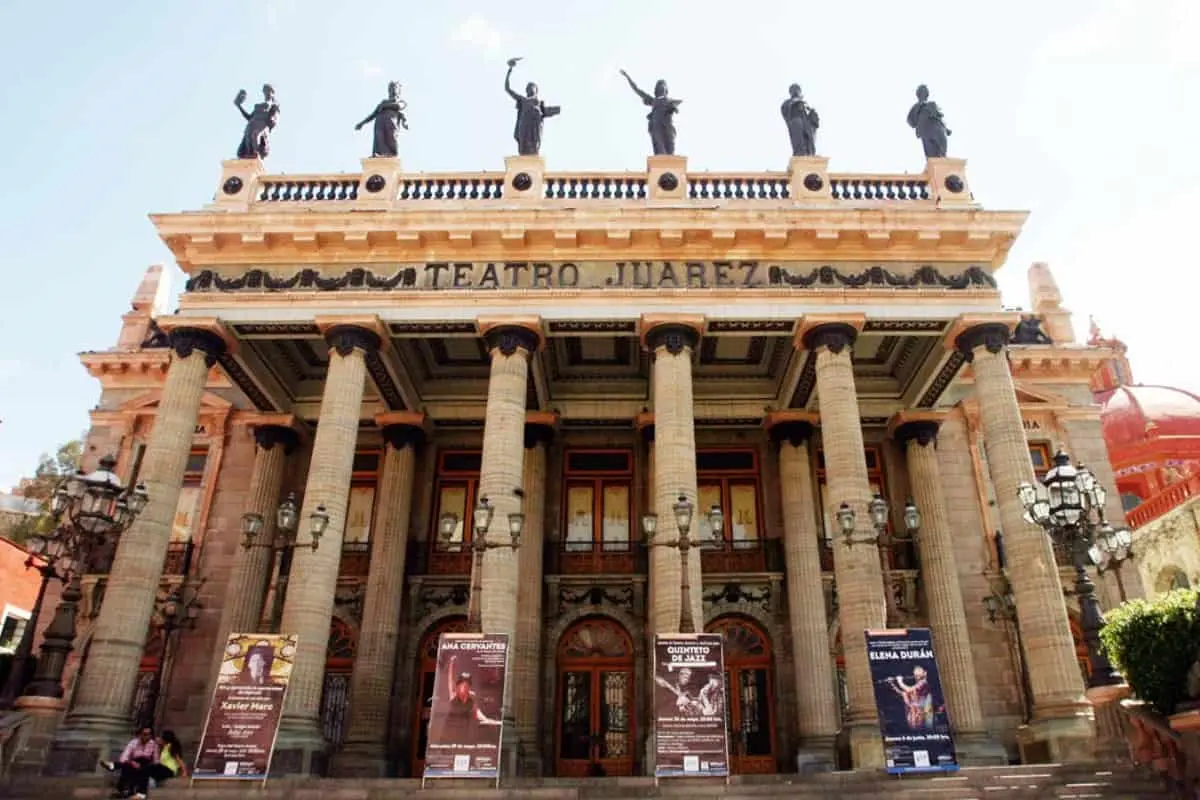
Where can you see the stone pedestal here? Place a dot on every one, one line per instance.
(666, 178)
(808, 179)
(524, 179)
(238, 186)
(35, 739)
(948, 181)
(380, 183)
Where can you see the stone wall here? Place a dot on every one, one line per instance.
(1169, 546)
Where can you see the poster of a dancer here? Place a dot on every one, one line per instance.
(247, 705)
(689, 706)
(910, 702)
(465, 720)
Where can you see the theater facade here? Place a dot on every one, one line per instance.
(390, 348)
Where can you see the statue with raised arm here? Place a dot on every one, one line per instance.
(260, 121)
(661, 117)
(926, 119)
(531, 111)
(389, 118)
(802, 122)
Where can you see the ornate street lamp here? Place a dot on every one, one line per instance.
(1112, 548)
(683, 510)
(287, 518)
(481, 517)
(878, 510)
(88, 510)
(46, 554)
(1069, 505)
(1001, 608)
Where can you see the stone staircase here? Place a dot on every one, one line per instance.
(1033, 782)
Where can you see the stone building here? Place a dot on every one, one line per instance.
(583, 348)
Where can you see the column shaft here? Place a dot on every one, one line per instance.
(312, 582)
(943, 596)
(859, 577)
(527, 645)
(674, 472)
(105, 690)
(501, 472)
(1054, 677)
(817, 710)
(375, 660)
(252, 566)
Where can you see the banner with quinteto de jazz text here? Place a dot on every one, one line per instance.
(247, 705)
(910, 702)
(690, 735)
(468, 706)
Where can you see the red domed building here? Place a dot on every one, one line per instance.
(1153, 438)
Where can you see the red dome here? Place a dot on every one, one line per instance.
(1132, 414)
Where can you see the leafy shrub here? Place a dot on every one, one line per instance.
(1154, 644)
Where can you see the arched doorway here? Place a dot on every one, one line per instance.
(335, 694)
(595, 705)
(426, 677)
(749, 695)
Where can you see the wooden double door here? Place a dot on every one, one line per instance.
(595, 704)
(749, 697)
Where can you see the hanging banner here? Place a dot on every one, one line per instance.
(910, 702)
(468, 706)
(247, 704)
(690, 734)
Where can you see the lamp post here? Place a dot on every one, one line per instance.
(179, 610)
(88, 509)
(287, 518)
(1001, 607)
(883, 538)
(1069, 505)
(1112, 548)
(45, 553)
(480, 544)
(683, 510)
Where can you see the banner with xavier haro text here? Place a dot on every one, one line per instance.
(690, 735)
(468, 706)
(910, 702)
(247, 704)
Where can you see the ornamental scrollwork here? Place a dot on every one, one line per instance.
(835, 336)
(925, 276)
(185, 341)
(508, 339)
(345, 339)
(617, 596)
(992, 336)
(672, 337)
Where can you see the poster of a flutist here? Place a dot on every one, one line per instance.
(909, 701)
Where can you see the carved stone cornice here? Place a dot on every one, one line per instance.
(508, 339)
(923, 432)
(672, 336)
(345, 339)
(993, 336)
(185, 341)
(836, 336)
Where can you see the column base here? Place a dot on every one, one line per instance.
(510, 750)
(36, 735)
(1058, 740)
(360, 760)
(83, 741)
(1112, 738)
(529, 762)
(979, 749)
(866, 745)
(300, 751)
(816, 754)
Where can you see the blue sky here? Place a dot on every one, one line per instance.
(1084, 112)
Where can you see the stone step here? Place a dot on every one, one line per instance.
(1049, 782)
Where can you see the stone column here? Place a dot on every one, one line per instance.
(365, 751)
(1062, 728)
(99, 720)
(943, 596)
(314, 573)
(671, 346)
(816, 704)
(252, 566)
(861, 603)
(527, 644)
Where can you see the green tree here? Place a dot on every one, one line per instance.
(50, 470)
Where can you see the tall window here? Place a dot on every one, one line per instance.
(729, 479)
(1039, 454)
(597, 504)
(189, 496)
(457, 487)
(360, 512)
